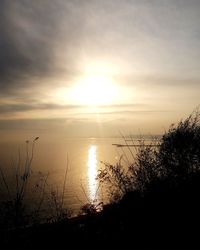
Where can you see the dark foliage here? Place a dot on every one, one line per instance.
(176, 158)
(179, 153)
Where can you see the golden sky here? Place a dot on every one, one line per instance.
(94, 68)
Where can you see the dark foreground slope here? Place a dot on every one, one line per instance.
(163, 218)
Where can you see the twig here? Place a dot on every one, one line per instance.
(64, 184)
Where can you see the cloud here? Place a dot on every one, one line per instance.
(31, 35)
(125, 112)
(51, 38)
(13, 108)
(6, 108)
(44, 45)
(25, 49)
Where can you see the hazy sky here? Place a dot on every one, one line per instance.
(91, 68)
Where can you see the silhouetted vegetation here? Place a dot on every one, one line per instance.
(155, 199)
(160, 191)
(14, 209)
(175, 157)
(24, 198)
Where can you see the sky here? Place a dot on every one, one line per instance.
(94, 68)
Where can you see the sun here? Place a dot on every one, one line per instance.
(94, 90)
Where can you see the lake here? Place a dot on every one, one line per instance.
(82, 157)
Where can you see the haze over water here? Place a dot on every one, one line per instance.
(85, 157)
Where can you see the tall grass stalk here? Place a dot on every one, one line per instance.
(64, 185)
(56, 200)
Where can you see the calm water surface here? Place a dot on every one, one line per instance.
(84, 160)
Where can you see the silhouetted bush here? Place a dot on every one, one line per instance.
(117, 179)
(146, 167)
(179, 152)
(175, 157)
(160, 190)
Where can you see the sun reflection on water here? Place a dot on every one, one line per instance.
(92, 171)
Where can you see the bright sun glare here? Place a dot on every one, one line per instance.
(94, 90)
